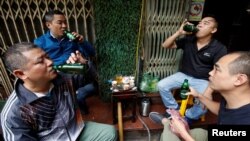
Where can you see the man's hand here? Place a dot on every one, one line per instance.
(78, 36)
(76, 58)
(181, 31)
(193, 92)
(180, 129)
(178, 126)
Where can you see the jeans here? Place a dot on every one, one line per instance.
(175, 81)
(83, 92)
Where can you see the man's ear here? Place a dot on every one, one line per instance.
(241, 79)
(214, 30)
(47, 24)
(20, 74)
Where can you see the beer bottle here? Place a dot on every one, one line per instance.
(70, 68)
(184, 89)
(70, 35)
(190, 28)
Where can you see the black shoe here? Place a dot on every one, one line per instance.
(156, 117)
(167, 115)
(188, 120)
(84, 108)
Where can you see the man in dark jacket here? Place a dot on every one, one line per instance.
(43, 104)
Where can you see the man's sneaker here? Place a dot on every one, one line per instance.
(156, 117)
(84, 108)
(167, 115)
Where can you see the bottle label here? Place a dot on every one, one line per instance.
(183, 94)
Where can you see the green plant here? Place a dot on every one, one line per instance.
(117, 25)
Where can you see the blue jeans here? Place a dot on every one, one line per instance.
(175, 81)
(83, 92)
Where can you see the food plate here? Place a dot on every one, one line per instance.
(122, 87)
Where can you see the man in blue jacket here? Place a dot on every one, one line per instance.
(59, 48)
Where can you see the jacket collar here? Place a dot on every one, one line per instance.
(26, 96)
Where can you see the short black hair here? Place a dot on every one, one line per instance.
(14, 58)
(241, 64)
(214, 17)
(50, 15)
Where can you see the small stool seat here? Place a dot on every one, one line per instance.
(119, 99)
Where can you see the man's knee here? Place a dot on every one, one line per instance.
(110, 132)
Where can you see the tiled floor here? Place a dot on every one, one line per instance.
(134, 131)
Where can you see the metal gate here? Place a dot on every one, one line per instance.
(22, 20)
(161, 19)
